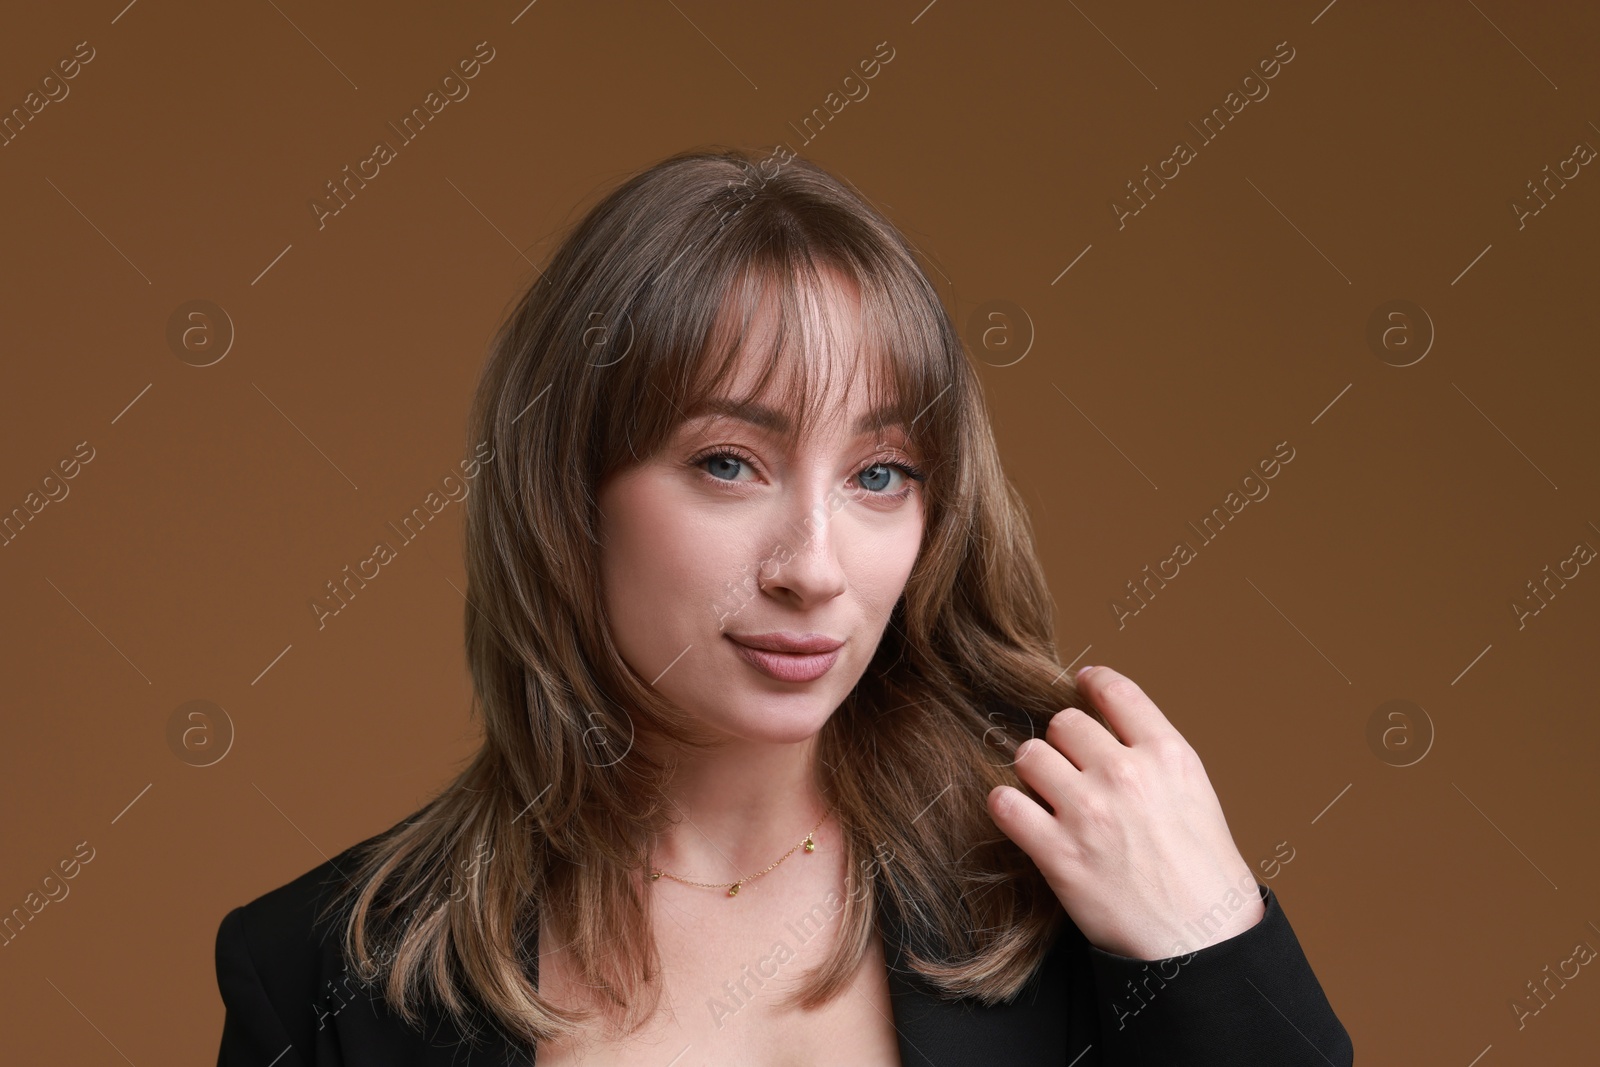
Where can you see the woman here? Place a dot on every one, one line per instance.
(775, 766)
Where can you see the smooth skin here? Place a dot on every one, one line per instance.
(1137, 849)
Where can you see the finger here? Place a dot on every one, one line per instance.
(1020, 818)
(1132, 714)
(1044, 767)
(1078, 736)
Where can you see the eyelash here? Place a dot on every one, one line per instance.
(911, 471)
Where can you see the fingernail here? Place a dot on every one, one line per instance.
(1081, 672)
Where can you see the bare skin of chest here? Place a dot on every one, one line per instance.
(726, 964)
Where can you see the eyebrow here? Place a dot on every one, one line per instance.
(769, 418)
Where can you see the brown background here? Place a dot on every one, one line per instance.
(1230, 315)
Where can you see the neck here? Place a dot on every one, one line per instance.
(738, 808)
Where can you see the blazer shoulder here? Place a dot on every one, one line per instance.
(290, 999)
(278, 960)
(286, 921)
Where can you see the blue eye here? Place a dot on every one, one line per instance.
(725, 459)
(869, 480)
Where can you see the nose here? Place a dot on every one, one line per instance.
(803, 567)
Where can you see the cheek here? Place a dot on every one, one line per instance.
(661, 567)
(879, 563)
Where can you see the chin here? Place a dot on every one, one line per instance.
(780, 722)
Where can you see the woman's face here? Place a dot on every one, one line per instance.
(725, 537)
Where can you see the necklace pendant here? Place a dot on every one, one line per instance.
(811, 846)
(733, 890)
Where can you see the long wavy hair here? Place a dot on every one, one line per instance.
(641, 314)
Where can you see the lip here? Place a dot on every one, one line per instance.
(787, 641)
(789, 666)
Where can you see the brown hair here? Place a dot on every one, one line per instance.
(629, 327)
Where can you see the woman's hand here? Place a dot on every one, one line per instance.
(1137, 848)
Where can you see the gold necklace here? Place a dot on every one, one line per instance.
(733, 887)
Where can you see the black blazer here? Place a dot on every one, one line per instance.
(1250, 1000)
